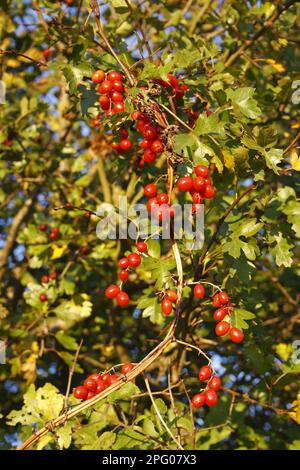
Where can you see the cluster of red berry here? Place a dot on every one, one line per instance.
(221, 300)
(133, 260)
(199, 187)
(49, 277)
(173, 85)
(110, 87)
(96, 383)
(170, 298)
(207, 396)
(151, 142)
(54, 232)
(158, 204)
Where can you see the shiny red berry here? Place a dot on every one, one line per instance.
(223, 298)
(162, 198)
(117, 97)
(220, 314)
(90, 384)
(215, 383)
(104, 102)
(149, 156)
(198, 400)
(118, 108)
(216, 301)
(43, 297)
(171, 295)
(125, 144)
(45, 279)
(222, 328)
(236, 335)
(100, 386)
(185, 183)
(80, 392)
(204, 373)
(122, 299)
(201, 170)
(126, 368)
(134, 260)
(199, 184)
(199, 291)
(117, 85)
(142, 247)
(211, 398)
(105, 87)
(123, 275)
(123, 263)
(209, 192)
(136, 115)
(157, 146)
(112, 291)
(42, 227)
(166, 306)
(150, 190)
(112, 76)
(152, 203)
(111, 379)
(98, 76)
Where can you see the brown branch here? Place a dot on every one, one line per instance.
(291, 145)
(12, 52)
(71, 372)
(249, 42)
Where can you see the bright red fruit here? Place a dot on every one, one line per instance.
(115, 145)
(100, 386)
(150, 190)
(171, 295)
(136, 115)
(199, 291)
(199, 184)
(90, 394)
(123, 263)
(80, 392)
(122, 299)
(197, 198)
(166, 306)
(211, 398)
(105, 87)
(123, 275)
(204, 373)
(236, 335)
(98, 76)
(105, 377)
(90, 384)
(112, 291)
(45, 279)
(220, 314)
(125, 144)
(209, 192)
(157, 146)
(111, 379)
(43, 297)
(53, 276)
(54, 234)
(117, 85)
(185, 183)
(118, 108)
(145, 144)
(112, 76)
(42, 227)
(223, 298)
(127, 368)
(142, 247)
(216, 301)
(134, 260)
(149, 132)
(152, 203)
(104, 102)
(198, 400)
(215, 383)
(222, 328)
(172, 80)
(162, 198)
(149, 156)
(201, 170)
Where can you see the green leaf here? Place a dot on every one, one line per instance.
(125, 393)
(74, 310)
(281, 250)
(153, 248)
(67, 341)
(273, 158)
(64, 435)
(243, 101)
(238, 317)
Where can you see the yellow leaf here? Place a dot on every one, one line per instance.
(58, 251)
(284, 350)
(294, 160)
(228, 159)
(277, 66)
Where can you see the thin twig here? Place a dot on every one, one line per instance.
(71, 372)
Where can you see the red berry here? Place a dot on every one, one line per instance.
(45, 279)
(134, 260)
(215, 383)
(149, 132)
(90, 384)
(236, 335)
(94, 376)
(53, 276)
(162, 198)
(172, 80)
(152, 203)
(216, 301)
(199, 184)
(98, 76)
(171, 295)
(112, 378)
(105, 87)
(112, 76)
(54, 234)
(211, 398)
(115, 145)
(118, 108)
(42, 227)
(80, 392)
(185, 183)
(198, 400)
(104, 102)
(204, 373)
(141, 125)
(201, 170)
(122, 299)
(46, 53)
(123, 275)
(166, 306)
(196, 208)
(142, 247)
(149, 156)
(116, 97)
(136, 115)
(90, 395)
(112, 291)
(117, 85)
(127, 368)
(124, 133)
(150, 190)
(220, 314)
(157, 146)
(145, 144)
(105, 377)
(125, 144)
(209, 192)
(100, 386)
(222, 328)
(123, 263)
(199, 291)
(223, 298)
(43, 297)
